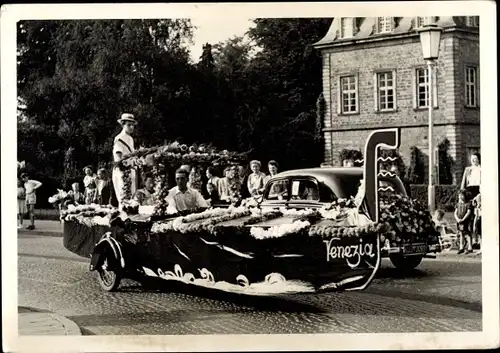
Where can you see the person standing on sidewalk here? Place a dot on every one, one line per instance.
(21, 203)
(30, 186)
(463, 213)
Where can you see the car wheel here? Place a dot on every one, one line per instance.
(109, 280)
(405, 262)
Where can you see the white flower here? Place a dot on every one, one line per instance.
(278, 231)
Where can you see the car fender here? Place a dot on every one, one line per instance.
(111, 243)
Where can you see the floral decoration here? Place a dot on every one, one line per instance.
(280, 230)
(58, 198)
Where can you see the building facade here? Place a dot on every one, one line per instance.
(374, 76)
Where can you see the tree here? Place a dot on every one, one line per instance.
(416, 170)
(445, 163)
(75, 81)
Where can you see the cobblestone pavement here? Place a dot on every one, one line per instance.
(438, 296)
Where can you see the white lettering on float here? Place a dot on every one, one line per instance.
(348, 252)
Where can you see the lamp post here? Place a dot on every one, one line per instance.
(430, 37)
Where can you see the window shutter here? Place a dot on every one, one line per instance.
(339, 100)
(375, 93)
(414, 86)
(435, 102)
(394, 82)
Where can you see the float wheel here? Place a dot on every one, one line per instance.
(405, 262)
(109, 279)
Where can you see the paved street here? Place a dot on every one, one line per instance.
(442, 295)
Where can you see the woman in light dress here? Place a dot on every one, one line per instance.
(123, 145)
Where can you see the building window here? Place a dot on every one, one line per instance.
(423, 21)
(385, 93)
(422, 88)
(348, 94)
(347, 27)
(472, 21)
(470, 86)
(384, 24)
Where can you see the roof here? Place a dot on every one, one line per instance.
(365, 32)
(322, 172)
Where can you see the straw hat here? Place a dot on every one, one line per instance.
(127, 117)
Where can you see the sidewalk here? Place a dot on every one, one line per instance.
(43, 227)
(35, 323)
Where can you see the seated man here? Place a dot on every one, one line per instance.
(145, 196)
(181, 197)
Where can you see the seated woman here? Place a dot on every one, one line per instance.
(146, 195)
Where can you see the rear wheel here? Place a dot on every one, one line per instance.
(405, 262)
(109, 278)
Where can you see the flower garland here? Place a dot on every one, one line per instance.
(210, 217)
(279, 231)
(325, 231)
(126, 192)
(176, 153)
(82, 212)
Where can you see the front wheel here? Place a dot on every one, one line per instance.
(109, 279)
(405, 262)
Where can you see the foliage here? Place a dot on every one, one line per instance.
(445, 163)
(416, 170)
(391, 158)
(446, 195)
(351, 154)
(74, 81)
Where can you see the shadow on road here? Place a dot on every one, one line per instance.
(261, 303)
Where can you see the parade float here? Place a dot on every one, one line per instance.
(243, 248)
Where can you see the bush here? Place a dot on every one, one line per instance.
(446, 163)
(446, 195)
(350, 154)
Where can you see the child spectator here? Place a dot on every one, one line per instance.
(446, 236)
(21, 203)
(463, 213)
(30, 187)
(213, 195)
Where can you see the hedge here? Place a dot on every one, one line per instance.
(446, 195)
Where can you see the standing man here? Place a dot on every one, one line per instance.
(30, 186)
(123, 145)
(103, 188)
(181, 197)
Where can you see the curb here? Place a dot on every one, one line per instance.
(45, 323)
(39, 233)
(459, 258)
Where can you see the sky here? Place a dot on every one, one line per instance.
(215, 29)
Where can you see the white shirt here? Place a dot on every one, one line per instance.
(118, 146)
(188, 200)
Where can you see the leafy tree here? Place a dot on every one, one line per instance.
(416, 170)
(445, 163)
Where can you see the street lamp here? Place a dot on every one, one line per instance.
(430, 37)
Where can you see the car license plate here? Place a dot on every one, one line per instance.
(415, 249)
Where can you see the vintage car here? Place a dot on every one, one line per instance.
(316, 187)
